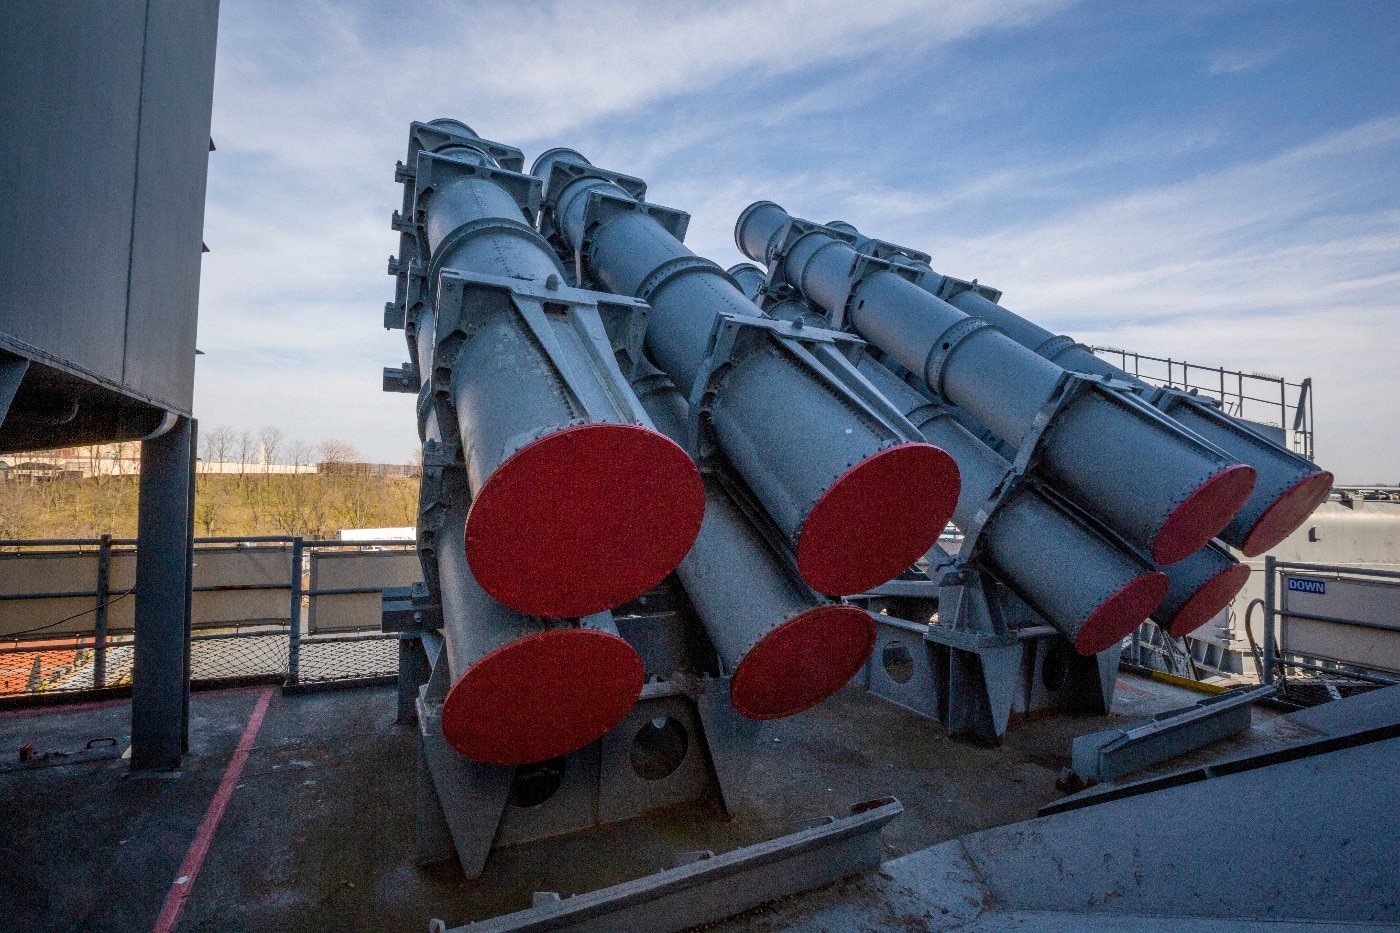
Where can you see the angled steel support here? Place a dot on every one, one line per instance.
(712, 887)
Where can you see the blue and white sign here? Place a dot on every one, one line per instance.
(1299, 585)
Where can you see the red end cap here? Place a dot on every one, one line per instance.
(542, 696)
(1288, 512)
(1204, 513)
(584, 519)
(874, 522)
(1215, 594)
(802, 662)
(1122, 612)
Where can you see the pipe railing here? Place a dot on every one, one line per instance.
(35, 640)
(1276, 653)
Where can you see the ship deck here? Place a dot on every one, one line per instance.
(316, 829)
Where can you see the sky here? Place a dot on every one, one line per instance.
(1217, 182)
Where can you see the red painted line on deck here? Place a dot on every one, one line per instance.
(194, 858)
(1124, 685)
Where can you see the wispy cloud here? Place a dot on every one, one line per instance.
(1182, 234)
(1288, 265)
(312, 103)
(1237, 61)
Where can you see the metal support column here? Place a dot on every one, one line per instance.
(294, 641)
(1270, 605)
(99, 641)
(165, 530)
(190, 463)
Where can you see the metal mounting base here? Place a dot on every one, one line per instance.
(682, 741)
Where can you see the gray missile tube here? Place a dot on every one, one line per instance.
(578, 505)
(1197, 587)
(803, 648)
(1288, 486)
(806, 447)
(1163, 490)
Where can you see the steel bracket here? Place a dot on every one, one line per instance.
(402, 379)
(465, 298)
(829, 354)
(436, 170)
(426, 136)
(604, 205)
(952, 287)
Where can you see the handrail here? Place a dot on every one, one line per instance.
(1275, 658)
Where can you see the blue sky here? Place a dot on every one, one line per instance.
(1217, 182)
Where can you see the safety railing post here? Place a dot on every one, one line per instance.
(99, 641)
(1270, 582)
(294, 640)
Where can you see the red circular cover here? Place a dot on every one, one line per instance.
(1122, 612)
(1287, 512)
(542, 696)
(877, 519)
(1215, 594)
(1204, 513)
(802, 662)
(584, 519)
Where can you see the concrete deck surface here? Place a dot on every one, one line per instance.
(318, 832)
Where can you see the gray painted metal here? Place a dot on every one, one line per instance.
(160, 678)
(784, 406)
(1348, 617)
(465, 808)
(1304, 851)
(741, 587)
(474, 220)
(1187, 577)
(1053, 557)
(712, 887)
(104, 196)
(1133, 484)
(1103, 756)
(1278, 469)
(987, 656)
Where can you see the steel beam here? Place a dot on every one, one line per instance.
(712, 887)
(1103, 756)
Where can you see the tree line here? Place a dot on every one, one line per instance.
(252, 500)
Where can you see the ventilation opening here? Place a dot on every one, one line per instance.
(536, 783)
(898, 662)
(659, 748)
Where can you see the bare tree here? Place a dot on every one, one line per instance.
(271, 440)
(300, 454)
(334, 451)
(245, 449)
(218, 444)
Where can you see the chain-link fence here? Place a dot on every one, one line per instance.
(268, 609)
